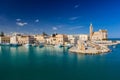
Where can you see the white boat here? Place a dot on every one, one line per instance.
(59, 45)
(27, 45)
(15, 45)
(5, 44)
(69, 45)
(41, 44)
(34, 45)
(114, 46)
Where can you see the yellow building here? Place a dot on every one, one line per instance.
(25, 39)
(4, 39)
(40, 38)
(22, 39)
(57, 39)
(99, 35)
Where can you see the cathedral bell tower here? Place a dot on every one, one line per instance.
(91, 31)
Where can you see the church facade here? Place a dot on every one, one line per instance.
(99, 35)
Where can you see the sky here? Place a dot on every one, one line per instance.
(60, 16)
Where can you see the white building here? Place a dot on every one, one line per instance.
(83, 37)
(13, 40)
(73, 39)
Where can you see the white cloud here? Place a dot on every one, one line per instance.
(76, 27)
(54, 28)
(37, 20)
(18, 19)
(73, 18)
(21, 23)
(76, 6)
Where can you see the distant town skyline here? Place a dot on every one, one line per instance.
(60, 16)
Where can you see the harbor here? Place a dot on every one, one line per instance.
(28, 63)
(92, 43)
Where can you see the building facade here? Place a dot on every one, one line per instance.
(22, 39)
(73, 39)
(40, 38)
(99, 35)
(4, 39)
(57, 39)
(83, 37)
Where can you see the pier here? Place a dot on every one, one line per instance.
(90, 48)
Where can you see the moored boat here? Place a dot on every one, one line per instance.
(68, 45)
(5, 44)
(15, 45)
(41, 45)
(27, 45)
(58, 45)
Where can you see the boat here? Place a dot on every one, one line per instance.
(41, 45)
(34, 45)
(5, 44)
(27, 45)
(114, 46)
(15, 45)
(58, 45)
(69, 46)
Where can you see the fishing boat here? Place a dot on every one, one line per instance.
(34, 45)
(15, 45)
(69, 46)
(58, 45)
(27, 45)
(41, 45)
(114, 46)
(5, 44)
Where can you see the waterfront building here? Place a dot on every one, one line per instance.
(83, 37)
(22, 39)
(25, 39)
(99, 35)
(40, 38)
(72, 39)
(57, 39)
(13, 40)
(4, 39)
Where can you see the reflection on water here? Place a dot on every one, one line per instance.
(19, 51)
(28, 53)
(0, 50)
(51, 63)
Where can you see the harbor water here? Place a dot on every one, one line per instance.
(52, 63)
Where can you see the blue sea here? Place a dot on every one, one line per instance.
(50, 63)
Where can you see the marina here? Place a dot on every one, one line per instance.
(28, 63)
(96, 42)
(59, 39)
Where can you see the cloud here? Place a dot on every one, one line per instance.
(76, 6)
(37, 20)
(54, 28)
(73, 18)
(76, 27)
(21, 23)
(18, 19)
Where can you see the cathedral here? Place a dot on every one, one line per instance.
(99, 35)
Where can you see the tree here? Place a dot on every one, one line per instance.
(44, 34)
(2, 34)
(53, 35)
